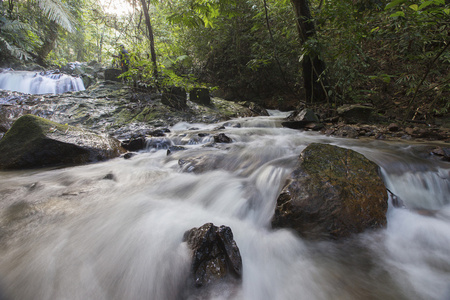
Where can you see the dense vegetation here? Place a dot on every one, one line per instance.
(393, 55)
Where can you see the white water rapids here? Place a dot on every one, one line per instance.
(71, 233)
(39, 83)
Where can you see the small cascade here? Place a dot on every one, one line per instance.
(39, 83)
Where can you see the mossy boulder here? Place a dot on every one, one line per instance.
(200, 96)
(34, 142)
(174, 97)
(353, 114)
(332, 193)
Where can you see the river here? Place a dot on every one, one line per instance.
(113, 230)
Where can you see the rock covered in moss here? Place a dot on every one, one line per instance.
(332, 193)
(34, 142)
(352, 114)
(200, 96)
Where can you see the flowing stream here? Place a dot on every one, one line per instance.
(113, 230)
(39, 82)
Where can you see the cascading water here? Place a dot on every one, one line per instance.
(39, 83)
(75, 233)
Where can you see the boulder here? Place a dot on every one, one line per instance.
(134, 144)
(215, 255)
(113, 74)
(332, 193)
(353, 114)
(174, 97)
(200, 96)
(34, 142)
(257, 109)
(304, 119)
(222, 138)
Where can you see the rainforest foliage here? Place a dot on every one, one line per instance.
(392, 54)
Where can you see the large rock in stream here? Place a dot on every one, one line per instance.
(215, 255)
(34, 142)
(332, 193)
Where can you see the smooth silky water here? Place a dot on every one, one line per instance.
(71, 233)
(39, 82)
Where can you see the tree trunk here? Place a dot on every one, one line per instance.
(150, 37)
(49, 43)
(315, 82)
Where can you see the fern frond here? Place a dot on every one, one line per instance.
(15, 51)
(58, 12)
(14, 26)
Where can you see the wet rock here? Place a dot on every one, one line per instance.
(304, 119)
(200, 96)
(215, 255)
(258, 110)
(222, 138)
(109, 176)
(355, 113)
(34, 142)
(443, 152)
(348, 131)
(159, 132)
(393, 127)
(175, 97)
(332, 193)
(113, 74)
(135, 144)
(173, 149)
(128, 155)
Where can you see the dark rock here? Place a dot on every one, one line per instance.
(200, 96)
(258, 110)
(159, 132)
(173, 149)
(393, 127)
(34, 142)
(355, 113)
(332, 193)
(442, 152)
(222, 138)
(128, 155)
(174, 97)
(135, 144)
(110, 176)
(113, 74)
(215, 255)
(304, 119)
(347, 132)
(307, 115)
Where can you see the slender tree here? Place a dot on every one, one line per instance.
(315, 82)
(150, 37)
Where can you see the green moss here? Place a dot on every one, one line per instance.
(28, 128)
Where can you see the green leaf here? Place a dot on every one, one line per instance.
(425, 4)
(394, 3)
(398, 14)
(414, 7)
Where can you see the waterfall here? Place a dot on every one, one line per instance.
(72, 234)
(39, 82)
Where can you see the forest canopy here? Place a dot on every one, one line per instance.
(278, 53)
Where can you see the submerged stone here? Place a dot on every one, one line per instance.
(34, 142)
(332, 193)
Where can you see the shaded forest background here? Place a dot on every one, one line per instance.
(390, 54)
